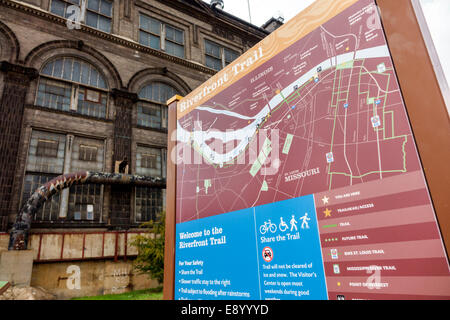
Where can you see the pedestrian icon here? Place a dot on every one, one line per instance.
(305, 220)
(293, 223)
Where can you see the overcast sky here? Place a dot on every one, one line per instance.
(263, 10)
(437, 13)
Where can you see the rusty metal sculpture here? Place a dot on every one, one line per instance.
(20, 230)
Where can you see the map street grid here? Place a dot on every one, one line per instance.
(309, 162)
(295, 100)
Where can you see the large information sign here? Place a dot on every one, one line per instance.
(299, 176)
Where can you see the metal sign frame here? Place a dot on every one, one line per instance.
(425, 106)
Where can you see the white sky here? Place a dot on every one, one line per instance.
(263, 10)
(437, 13)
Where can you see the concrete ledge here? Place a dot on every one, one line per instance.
(16, 266)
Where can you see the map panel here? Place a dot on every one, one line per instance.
(333, 93)
(321, 126)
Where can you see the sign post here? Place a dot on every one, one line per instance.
(312, 167)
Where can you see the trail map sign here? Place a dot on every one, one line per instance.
(298, 174)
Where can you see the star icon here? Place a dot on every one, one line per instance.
(327, 213)
(325, 200)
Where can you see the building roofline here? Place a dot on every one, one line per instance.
(270, 21)
(204, 12)
(237, 19)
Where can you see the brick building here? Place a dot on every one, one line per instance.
(88, 96)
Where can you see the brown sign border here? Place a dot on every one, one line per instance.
(425, 106)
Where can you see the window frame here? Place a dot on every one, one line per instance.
(162, 154)
(59, 197)
(56, 199)
(84, 20)
(222, 57)
(151, 161)
(76, 88)
(163, 108)
(87, 147)
(162, 36)
(141, 148)
(45, 148)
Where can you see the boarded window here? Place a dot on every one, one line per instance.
(47, 148)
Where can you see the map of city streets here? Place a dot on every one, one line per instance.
(325, 113)
(301, 179)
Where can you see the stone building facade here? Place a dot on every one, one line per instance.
(83, 86)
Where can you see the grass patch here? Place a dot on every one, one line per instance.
(147, 294)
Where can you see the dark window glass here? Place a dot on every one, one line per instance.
(54, 94)
(85, 202)
(217, 57)
(150, 36)
(213, 63)
(212, 49)
(58, 94)
(230, 56)
(148, 204)
(47, 148)
(99, 14)
(88, 153)
(58, 7)
(149, 115)
(69, 69)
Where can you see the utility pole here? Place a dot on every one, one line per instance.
(249, 13)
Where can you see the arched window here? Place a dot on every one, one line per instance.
(152, 107)
(70, 84)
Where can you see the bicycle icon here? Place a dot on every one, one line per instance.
(268, 226)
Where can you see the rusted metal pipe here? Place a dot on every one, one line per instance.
(19, 233)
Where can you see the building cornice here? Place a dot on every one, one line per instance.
(106, 36)
(239, 26)
(29, 73)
